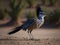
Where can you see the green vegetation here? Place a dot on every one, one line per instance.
(0, 3)
(52, 2)
(43, 2)
(54, 16)
(15, 9)
(1, 15)
(46, 10)
(31, 14)
(31, 3)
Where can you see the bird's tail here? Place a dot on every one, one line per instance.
(15, 30)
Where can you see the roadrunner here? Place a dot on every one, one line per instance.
(31, 23)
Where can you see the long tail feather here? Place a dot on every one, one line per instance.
(14, 31)
(24, 26)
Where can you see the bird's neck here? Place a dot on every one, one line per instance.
(42, 18)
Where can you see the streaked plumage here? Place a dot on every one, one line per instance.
(31, 24)
(24, 26)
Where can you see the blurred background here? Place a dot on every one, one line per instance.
(16, 12)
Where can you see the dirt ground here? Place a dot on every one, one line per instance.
(41, 37)
(31, 42)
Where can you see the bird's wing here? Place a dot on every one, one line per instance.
(27, 23)
(24, 26)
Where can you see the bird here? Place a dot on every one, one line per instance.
(31, 23)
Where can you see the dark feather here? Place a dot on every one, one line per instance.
(24, 26)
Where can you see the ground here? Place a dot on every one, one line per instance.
(41, 36)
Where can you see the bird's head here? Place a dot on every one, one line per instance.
(41, 16)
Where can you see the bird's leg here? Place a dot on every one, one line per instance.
(30, 35)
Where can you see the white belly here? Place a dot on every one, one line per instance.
(39, 22)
